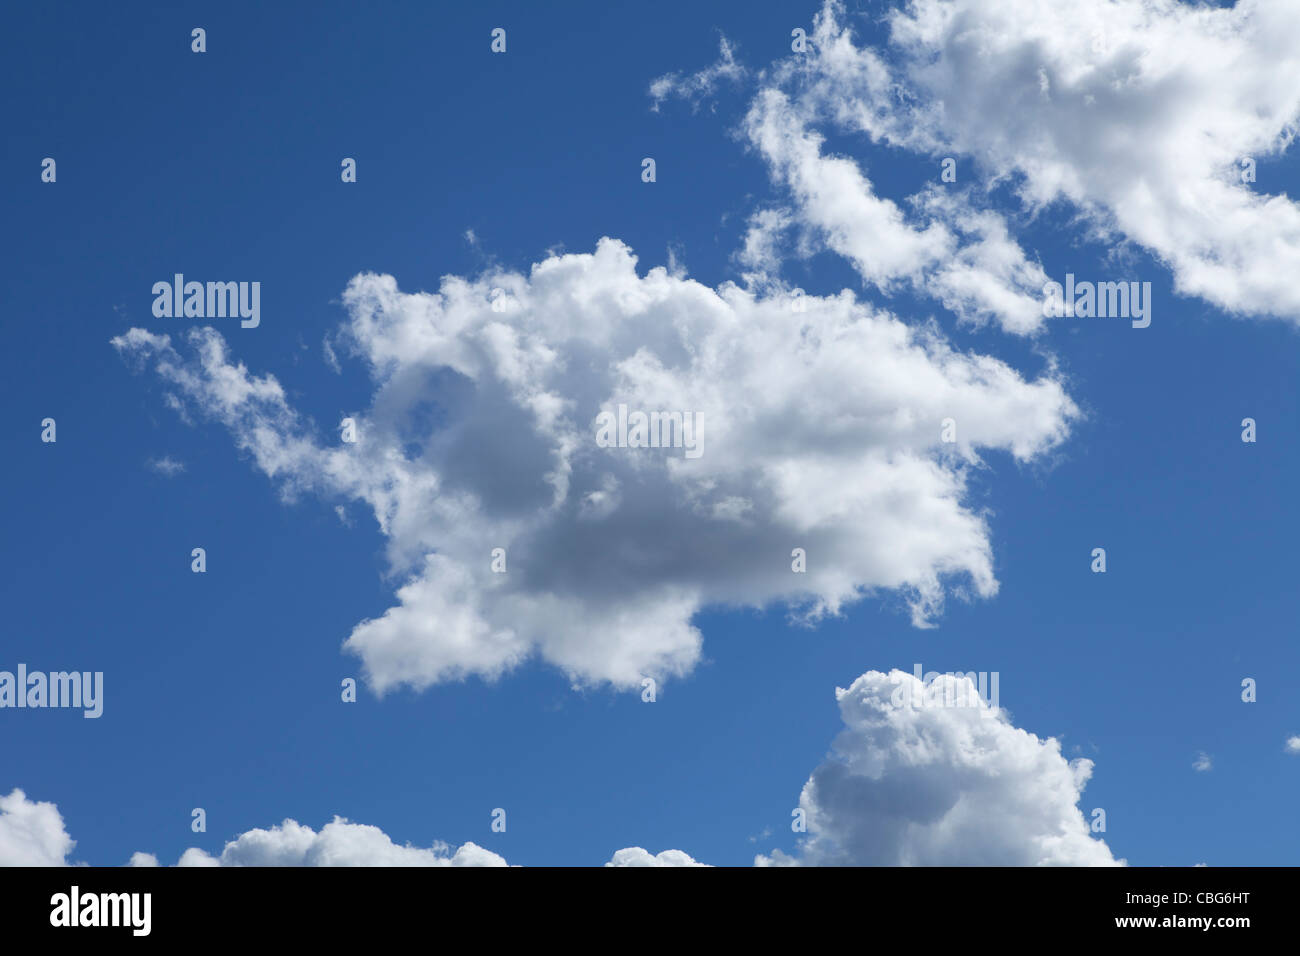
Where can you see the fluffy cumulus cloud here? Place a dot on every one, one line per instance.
(1136, 113)
(820, 427)
(636, 856)
(338, 843)
(920, 775)
(911, 781)
(32, 833)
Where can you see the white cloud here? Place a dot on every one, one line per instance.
(636, 856)
(32, 833)
(1137, 113)
(904, 785)
(1203, 762)
(762, 252)
(339, 843)
(167, 466)
(1293, 745)
(947, 247)
(916, 785)
(821, 430)
(950, 245)
(697, 86)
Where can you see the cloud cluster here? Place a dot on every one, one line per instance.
(1144, 116)
(821, 429)
(513, 533)
(637, 856)
(910, 782)
(338, 843)
(946, 246)
(32, 833)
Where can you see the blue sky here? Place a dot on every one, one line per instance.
(222, 689)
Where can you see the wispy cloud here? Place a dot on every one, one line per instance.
(167, 466)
